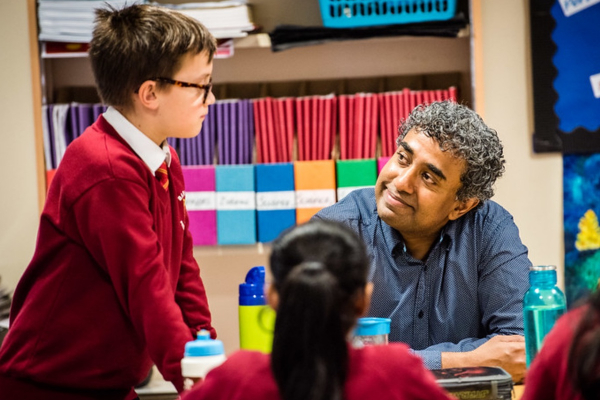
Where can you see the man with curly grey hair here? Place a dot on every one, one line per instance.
(448, 265)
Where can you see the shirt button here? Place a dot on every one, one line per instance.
(421, 313)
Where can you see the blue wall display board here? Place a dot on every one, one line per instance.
(581, 195)
(566, 75)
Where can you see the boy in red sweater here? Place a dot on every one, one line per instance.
(113, 286)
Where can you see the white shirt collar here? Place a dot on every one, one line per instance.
(151, 154)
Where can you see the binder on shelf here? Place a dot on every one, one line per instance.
(381, 161)
(49, 176)
(355, 174)
(236, 204)
(275, 199)
(85, 117)
(97, 109)
(315, 187)
(200, 202)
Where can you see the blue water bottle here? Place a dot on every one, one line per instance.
(543, 304)
(257, 319)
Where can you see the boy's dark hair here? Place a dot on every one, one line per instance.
(319, 271)
(140, 42)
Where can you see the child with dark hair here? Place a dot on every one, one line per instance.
(113, 286)
(568, 366)
(319, 290)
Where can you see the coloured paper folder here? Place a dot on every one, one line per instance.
(236, 204)
(200, 201)
(315, 187)
(275, 199)
(381, 161)
(355, 174)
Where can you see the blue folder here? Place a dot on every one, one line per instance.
(236, 204)
(275, 199)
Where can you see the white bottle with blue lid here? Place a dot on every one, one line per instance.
(200, 356)
(371, 331)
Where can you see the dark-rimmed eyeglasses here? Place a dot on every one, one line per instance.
(207, 87)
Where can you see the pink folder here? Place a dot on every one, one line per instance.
(200, 202)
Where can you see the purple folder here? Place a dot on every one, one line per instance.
(234, 132)
(85, 117)
(226, 133)
(72, 123)
(97, 109)
(219, 130)
(50, 122)
(200, 188)
(249, 131)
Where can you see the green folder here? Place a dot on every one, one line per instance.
(355, 174)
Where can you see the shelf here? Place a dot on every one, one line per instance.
(208, 251)
(51, 50)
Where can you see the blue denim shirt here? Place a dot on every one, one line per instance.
(469, 288)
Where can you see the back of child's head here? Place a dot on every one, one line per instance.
(319, 272)
(584, 352)
(140, 42)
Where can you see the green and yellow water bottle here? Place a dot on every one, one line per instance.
(257, 319)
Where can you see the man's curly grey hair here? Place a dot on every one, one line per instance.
(463, 133)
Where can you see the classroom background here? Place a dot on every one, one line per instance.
(501, 74)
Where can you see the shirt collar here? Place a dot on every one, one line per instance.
(395, 242)
(151, 154)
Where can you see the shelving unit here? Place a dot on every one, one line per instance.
(223, 268)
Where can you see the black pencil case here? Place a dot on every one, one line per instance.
(476, 383)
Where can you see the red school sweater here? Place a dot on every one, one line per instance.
(113, 286)
(374, 373)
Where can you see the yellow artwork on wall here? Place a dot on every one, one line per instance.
(588, 237)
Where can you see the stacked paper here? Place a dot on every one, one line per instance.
(72, 20)
(224, 19)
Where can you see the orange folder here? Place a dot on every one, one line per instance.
(49, 176)
(315, 187)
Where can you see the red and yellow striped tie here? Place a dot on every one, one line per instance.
(162, 175)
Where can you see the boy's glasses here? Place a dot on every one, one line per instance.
(207, 88)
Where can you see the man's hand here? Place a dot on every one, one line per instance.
(507, 352)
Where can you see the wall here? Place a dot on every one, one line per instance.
(19, 199)
(531, 188)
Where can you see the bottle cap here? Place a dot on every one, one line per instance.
(203, 346)
(542, 268)
(372, 326)
(252, 292)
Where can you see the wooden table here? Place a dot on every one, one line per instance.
(518, 391)
(159, 389)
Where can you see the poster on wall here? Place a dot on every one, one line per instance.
(581, 185)
(565, 75)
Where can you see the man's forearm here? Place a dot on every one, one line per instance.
(457, 360)
(507, 352)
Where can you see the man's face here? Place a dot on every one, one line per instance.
(416, 189)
